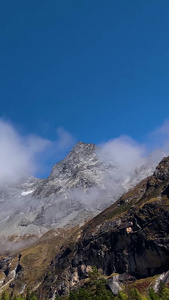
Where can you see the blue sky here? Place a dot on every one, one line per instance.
(98, 69)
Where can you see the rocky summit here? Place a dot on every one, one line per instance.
(125, 243)
(78, 188)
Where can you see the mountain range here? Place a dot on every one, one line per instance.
(78, 188)
(88, 213)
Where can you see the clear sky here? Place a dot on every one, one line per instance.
(98, 69)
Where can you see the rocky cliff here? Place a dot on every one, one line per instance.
(130, 237)
(78, 188)
(128, 240)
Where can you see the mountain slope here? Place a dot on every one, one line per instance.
(130, 237)
(78, 188)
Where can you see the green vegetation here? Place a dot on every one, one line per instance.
(38, 256)
(98, 290)
(94, 290)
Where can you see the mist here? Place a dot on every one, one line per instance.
(19, 157)
(18, 153)
(124, 152)
(120, 159)
(25, 155)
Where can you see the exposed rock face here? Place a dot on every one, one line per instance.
(9, 268)
(162, 170)
(106, 242)
(115, 283)
(78, 188)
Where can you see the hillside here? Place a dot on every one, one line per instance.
(78, 188)
(129, 238)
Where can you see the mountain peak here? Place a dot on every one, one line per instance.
(81, 152)
(81, 146)
(81, 181)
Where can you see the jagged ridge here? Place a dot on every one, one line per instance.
(78, 188)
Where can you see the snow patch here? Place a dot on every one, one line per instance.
(27, 192)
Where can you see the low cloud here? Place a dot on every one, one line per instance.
(159, 138)
(64, 141)
(58, 149)
(22, 155)
(124, 152)
(127, 154)
(18, 153)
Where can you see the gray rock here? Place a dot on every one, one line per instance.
(24, 222)
(114, 284)
(79, 187)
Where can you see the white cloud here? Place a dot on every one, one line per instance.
(18, 153)
(124, 152)
(57, 151)
(22, 155)
(128, 154)
(159, 138)
(65, 140)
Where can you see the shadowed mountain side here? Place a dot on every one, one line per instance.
(129, 237)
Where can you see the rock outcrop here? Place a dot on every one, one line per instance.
(130, 237)
(78, 188)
